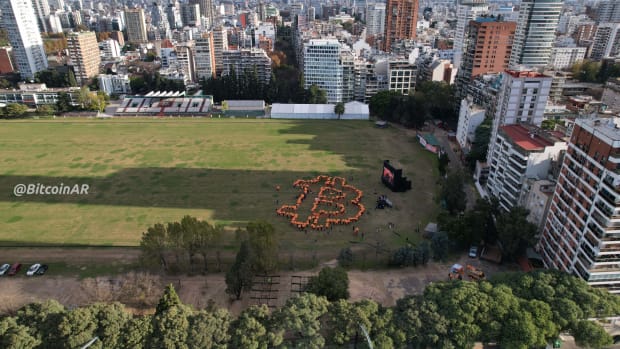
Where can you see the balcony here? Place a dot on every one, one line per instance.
(609, 180)
(610, 198)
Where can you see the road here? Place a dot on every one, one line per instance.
(457, 164)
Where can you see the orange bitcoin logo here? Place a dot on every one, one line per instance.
(333, 202)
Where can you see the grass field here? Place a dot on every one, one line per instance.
(141, 172)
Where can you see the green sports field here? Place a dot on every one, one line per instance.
(141, 172)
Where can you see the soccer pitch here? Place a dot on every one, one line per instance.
(144, 171)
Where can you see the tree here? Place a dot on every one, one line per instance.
(153, 246)
(453, 193)
(380, 103)
(64, 103)
(46, 110)
(253, 329)
(209, 329)
(76, 328)
(331, 283)
(239, 276)
(71, 81)
(345, 257)
(480, 145)
(15, 110)
(442, 163)
(264, 247)
(316, 95)
(515, 231)
(42, 320)
(169, 299)
(111, 320)
(300, 317)
(136, 332)
(339, 109)
(14, 335)
(440, 244)
(590, 335)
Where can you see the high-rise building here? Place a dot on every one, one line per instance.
(220, 44)
(581, 234)
(206, 9)
(487, 51)
(204, 55)
(522, 151)
(608, 11)
(488, 46)
(401, 20)
(42, 10)
(535, 34)
(466, 11)
(322, 67)
(584, 33)
(402, 75)
(111, 49)
(136, 26)
(521, 99)
(248, 60)
(375, 18)
(84, 55)
(190, 15)
(606, 41)
(565, 57)
(20, 21)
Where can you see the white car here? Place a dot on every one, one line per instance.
(473, 251)
(4, 268)
(33, 269)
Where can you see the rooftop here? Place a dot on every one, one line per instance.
(530, 138)
(525, 74)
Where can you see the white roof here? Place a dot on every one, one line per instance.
(356, 107)
(252, 103)
(281, 108)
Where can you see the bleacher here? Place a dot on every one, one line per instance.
(165, 103)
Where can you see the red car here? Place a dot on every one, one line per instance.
(14, 269)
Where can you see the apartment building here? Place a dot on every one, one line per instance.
(581, 234)
(84, 55)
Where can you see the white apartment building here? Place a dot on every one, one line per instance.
(114, 84)
(520, 152)
(564, 57)
(471, 115)
(581, 234)
(220, 44)
(466, 10)
(521, 99)
(606, 41)
(375, 18)
(204, 55)
(322, 67)
(535, 33)
(19, 19)
(402, 75)
(110, 49)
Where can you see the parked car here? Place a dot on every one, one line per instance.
(33, 268)
(42, 269)
(473, 251)
(14, 269)
(4, 268)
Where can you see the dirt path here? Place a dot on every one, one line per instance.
(69, 255)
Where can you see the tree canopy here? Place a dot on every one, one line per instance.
(516, 310)
(331, 283)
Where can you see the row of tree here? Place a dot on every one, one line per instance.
(515, 310)
(487, 222)
(148, 82)
(593, 71)
(431, 100)
(174, 246)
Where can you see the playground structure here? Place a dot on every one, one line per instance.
(334, 200)
(457, 271)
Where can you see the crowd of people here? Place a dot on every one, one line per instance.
(322, 218)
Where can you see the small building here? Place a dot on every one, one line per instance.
(352, 111)
(243, 108)
(429, 142)
(34, 95)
